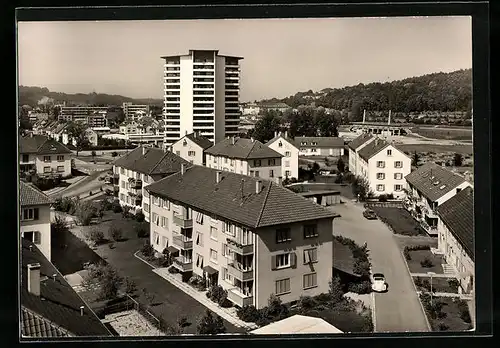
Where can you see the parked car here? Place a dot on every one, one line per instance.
(370, 214)
(378, 282)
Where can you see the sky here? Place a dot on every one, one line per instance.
(281, 56)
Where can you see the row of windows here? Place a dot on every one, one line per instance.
(59, 169)
(33, 236)
(397, 187)
(60, 158)
(397, 164)
(285, 234)
(308, 281)
(397, 176)
(29, 214)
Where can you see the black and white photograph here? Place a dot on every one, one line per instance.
(245, 177)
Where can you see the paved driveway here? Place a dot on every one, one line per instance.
(399, 309)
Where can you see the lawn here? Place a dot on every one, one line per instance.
(399, 220)
(462, 149)
(449, 134)
(419, 255)
(448, 318)
(447, 285)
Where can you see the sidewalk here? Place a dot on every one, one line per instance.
(448, 294)
(227, 313)
(437, 275)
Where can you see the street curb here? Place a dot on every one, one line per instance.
(146, 262)
(374, 313)
(417, 293)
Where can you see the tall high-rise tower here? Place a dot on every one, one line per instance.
(201, 94)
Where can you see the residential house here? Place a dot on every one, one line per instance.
(192, 148)
(45, 156)
(250, 109)
(128, 127)
(429, 186)
(34, 217)
(384, 166)
(142, 166)
(281, 107)
(90, 134)
(253, 237)
(245, 156)
(456, 236)
(320, 146)
(50, 307)
(354, 146)
(290, 152)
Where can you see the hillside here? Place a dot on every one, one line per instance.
(443, 92)
(32, 95)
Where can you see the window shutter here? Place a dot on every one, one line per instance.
(35, 213)
(36, 237)
(273, 262)
(307, 256)
(293, 260)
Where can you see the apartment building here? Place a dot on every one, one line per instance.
(44, 156)
(201, 94)
(384, 166)
(253, 237)
(282, 144)
(320, 146)
(50, 307)
(142, 166)
(34, 217)
(134, 111)
(456, 236)
(82, 113)
(429, 186)
(245, 156)
(192, 148)
(354, 146)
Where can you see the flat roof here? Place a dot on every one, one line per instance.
(200, 50)
(322, 193)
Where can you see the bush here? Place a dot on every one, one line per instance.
(217, 294)
(84, 212)
(335, 291)
(418, 281)
(443, 327)
(306, 303)
(208, 325)
(107, 277)
(382, 198)
(249, 314)
(464, 311)
(59, 226)
(65, 205)
(173, 270)
(116, 207)
(148, 250)
(90, 193)
(115, 233)
(427, 263)
(126, 212)
(96, 236)
(106, 205)
(406, 253)
(114, 154)
(139, 216)
(130, 286)
(141, 230)
(454, 284)
(363, 287)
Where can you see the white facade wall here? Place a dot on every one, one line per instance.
(290, 160)
(321, 151)
(124, 188)
(50, 164)
(220, 95)
(186, 95)
(189, 150)
(41, 225)
(247, 167)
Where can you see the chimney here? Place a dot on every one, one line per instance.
(144, 150)
(252, 139)
(258, 186)
(54, 276)
(286, 134)
(275, 134)
(364, 116)
(183, 169)
(232, 141)
(218, 177)
(34, 279)
(31, 247)
(81, 310)
(280, 180)
(389, 122)
(195, 133)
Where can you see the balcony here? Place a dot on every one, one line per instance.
(431, 230)
(238, 298)
(135, 183)
(240, 274)
(183, 222)
(183, 242)
(183, 264)
(239, 248)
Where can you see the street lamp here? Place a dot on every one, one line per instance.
(431, 274)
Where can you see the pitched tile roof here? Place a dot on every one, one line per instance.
(457, 214)
(58, 302)
(242, 149)
(234, 198)
(357, 142)
(200, 140)
(321, 142)
(41, 145)
(372, 149)
(434, 181)
(154, 161)
(34, 325)
(31, 195)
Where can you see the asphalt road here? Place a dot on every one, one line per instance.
(83, 187)
(399, 309)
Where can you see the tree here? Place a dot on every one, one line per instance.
(208, 325)
(78, 132)
(302, 123)
(84, 212)
(106, 276)
(458, 160)
(336, 291)
(340, 165)
(266, 126)
(326, 124)
(361, 187)
(415, 159)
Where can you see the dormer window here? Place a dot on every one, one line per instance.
(435, 183)
(184, 143)
(280, 144)
(442, 187)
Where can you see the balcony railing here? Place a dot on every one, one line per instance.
(239, 248)
(240, 274)
(238, 298)
(429, 229)
(135, 183)
(183, 242)
(183, 264)
(183, 222)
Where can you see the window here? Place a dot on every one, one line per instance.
(25, 158)
(146, 207)
(156, 201)
(380, 187)
(199, 261)
(458, 190)
(271, 173)
(257, 163)
(29, 214)
(398, 164)
(164, 241)
(60, 169)
(122, 171)
(225, 159)
(252, 173)
(184, 143)
(199, 239)
(178, 153)
(380, 164)
(398, 176)
(213, 255)
(199, 218)
(46, 169)
(225, 250)
(287, 163)
(283, 261)
(271, 162)
(257, 174)
(280, 144)
(313, 150)
(282, 286)
(310, 255)
(229, 229)
(122, 184)
(380, 176)
(226, 276)
(310, 231)
(60, 158)
(33, 236)
(288, 154)
(389, 152)
(398, 188)
(156, 238)
(288, 173)
(146, 178)
(46, 158)
(164, 221)
(310, 280)
(283, 235)
(213, 233)
(166, 204)
(156, 219)
(122, 197)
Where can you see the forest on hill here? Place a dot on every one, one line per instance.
(444, 92)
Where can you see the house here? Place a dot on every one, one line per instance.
(50, 307)
(320, 146)
(45, 156)
(456, 236)
(384, 166)
(290, 152)
(356, 145)
(129, 127)
(281, 107)
(142, 166)
(90, 134)
(245, 156)
(297, 324)
(427, 188)
(192, 148)
(34, 217)
(253, 237)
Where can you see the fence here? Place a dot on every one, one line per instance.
(150, 317)
(396, 204)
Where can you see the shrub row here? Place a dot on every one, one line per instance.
(407, 249)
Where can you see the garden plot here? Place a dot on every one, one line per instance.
(132, 323)
(399, 221)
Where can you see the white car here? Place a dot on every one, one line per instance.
(378, 282)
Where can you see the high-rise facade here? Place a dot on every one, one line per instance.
(201, 94)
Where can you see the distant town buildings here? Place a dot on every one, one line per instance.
(94, 116)
(134, 111)
(201, 94)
